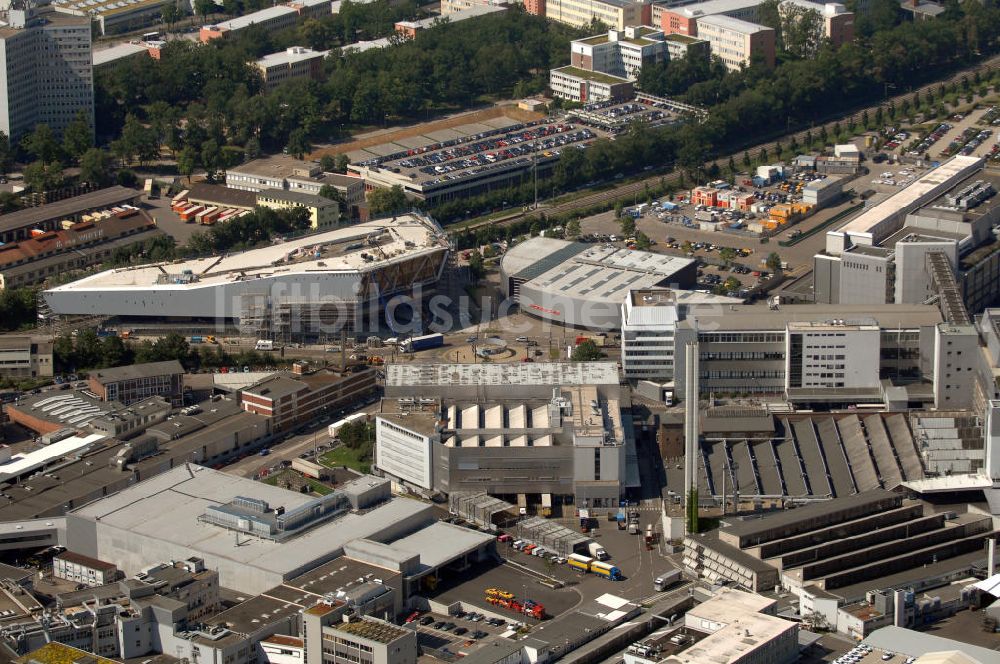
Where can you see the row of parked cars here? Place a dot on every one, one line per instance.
(534, 550)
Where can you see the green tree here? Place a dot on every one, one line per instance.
(618, 209)
(587, 351)
(88, 349)
(6, 153)
(773, 261)
(40, 176)
(114, 352)
(642, 241)
(573, 229)
(170, 14)
(384, 200)
(187, 161)
(343, 161)
(476, 266)
(95, 167)
(627, 225)
(78, 137)
(727, 254)
(204, 7)
(327, 163)
(298, 143)
(41, 144)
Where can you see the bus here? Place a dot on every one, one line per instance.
(151, 36)
(576, 561)
(606, 570)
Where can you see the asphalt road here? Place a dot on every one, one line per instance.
(288, 449)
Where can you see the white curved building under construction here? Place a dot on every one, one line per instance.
(310, 286)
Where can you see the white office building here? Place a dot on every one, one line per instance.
(46, 72)
(649, 318)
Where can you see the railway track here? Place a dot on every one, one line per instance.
(629, 191)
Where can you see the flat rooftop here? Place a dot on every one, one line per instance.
(20, 464)
(106, 56)
(440, 543)
(907, 199)
(247, 20)
(134, 371)
(734, 24)
(289, 56)
(760, 317)
(598, 272)
(168, 507)
(916, 644)
(402, 238)
(456, 156)
(373, 630)
(338, 574)
(711, 7)
(249, 616)
(556, 374)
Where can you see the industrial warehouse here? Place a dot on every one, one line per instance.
(584, 285)
(760, 457)
(839, 557)
(535, 434)
(324, 283)
(279, 534)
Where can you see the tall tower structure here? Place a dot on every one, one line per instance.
(691, 426)
(46, 69)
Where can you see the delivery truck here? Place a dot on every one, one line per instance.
(425, 342)
(667, 580)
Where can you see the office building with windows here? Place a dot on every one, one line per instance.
(46, 72)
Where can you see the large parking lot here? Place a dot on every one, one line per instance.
(614, 116)
(472, 155)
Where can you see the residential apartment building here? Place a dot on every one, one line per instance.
(294, 63)
(322, 211)
(293, 399)
(616, 14)
(584, 86)
(82, 569)
(25, 357)
(45, 71)
(139, 381)
(649, 318)
(736, 42)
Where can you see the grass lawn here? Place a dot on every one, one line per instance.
(359, 459)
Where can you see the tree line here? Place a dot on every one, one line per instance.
(86, 351)
(206, 102)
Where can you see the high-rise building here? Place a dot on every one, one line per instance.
(45, 70)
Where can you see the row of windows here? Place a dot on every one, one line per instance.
(741, 337)
(734, 373)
